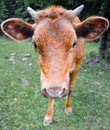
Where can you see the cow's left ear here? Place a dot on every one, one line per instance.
(92, 27)
(17, 29)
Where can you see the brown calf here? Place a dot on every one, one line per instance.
(58, 37)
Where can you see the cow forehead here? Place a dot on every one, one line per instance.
(54, 37)
(54, 30)
(53, 19)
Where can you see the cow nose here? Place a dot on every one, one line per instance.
(54, 92)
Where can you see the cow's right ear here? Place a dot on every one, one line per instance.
(17, 29)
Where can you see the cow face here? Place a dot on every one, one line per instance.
(54, 37)
(54, 33)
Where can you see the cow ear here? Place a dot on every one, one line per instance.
(92, 27)
(17, 29)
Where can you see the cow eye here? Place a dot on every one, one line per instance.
(35, 45)
(74, 44)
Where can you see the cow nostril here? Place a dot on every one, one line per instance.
(64, 90)
(64, 93)
(44, 92)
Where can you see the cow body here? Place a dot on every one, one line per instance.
(58, 37)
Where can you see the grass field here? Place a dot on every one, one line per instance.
(22, 107)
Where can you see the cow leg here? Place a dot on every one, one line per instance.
(49, 113)
(73, 75)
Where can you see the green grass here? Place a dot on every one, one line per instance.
(92, 48)
(22, 107)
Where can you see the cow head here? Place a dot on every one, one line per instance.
(54, 33)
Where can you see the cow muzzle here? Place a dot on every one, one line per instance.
(54, 92)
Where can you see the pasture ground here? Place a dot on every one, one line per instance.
(22, 107)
